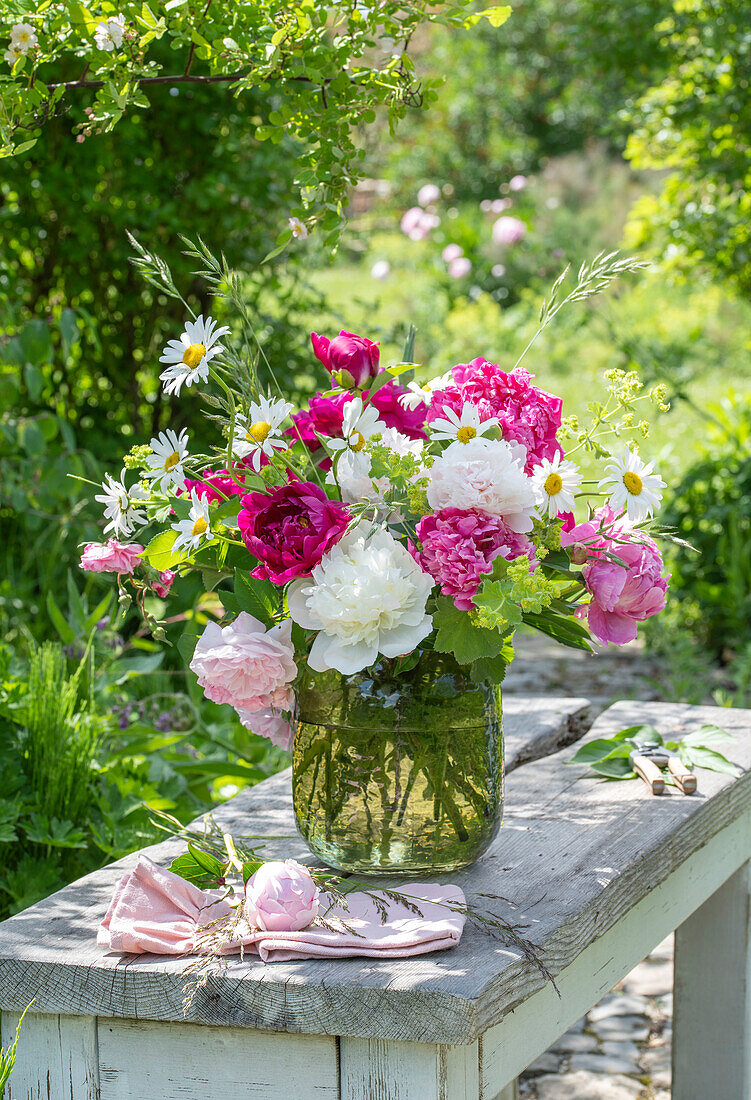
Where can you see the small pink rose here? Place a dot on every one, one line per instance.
(245, 665)
(111, 557)
(165, 582)
(281, 897)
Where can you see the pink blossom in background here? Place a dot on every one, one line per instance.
(498, 271)
(517, 183)
(380, 270)
(428, 193)
(270, 724)
(460, 267)
(417, 224)
(281, 897)
(407, 421)
(452, 252)
(459, 547)
(350, 359)
(497, 206)
(528, 415)
(622, 595)
(507, 230)
(290, 528)
(111, 557)
(165, 582)
(246, 665)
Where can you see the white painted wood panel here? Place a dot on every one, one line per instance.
(56, 1059)
(372, 1069)
(143, 1060)
(528, 1030)
(711, 1008)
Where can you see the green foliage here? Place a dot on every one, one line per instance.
(695, 124)
(609, 756)
(459, 635)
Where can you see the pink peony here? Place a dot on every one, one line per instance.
(508, 230)
(417, 224)
(163, 585)
(452, 252)
(350, 360)
(407, 421)
(271, 724)
(460, 267)
(111, 557)
(459, 546)
(428, 193)
(527, 414)
(245, 665)
(281, 897)
(323, 416)
(622, 595)
(290, 528)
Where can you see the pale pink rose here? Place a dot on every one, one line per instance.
(111, 557)
(452, 252)
(245, 665)
(281, 897)
(517, 183)
(165, 582)
(428, 193)
(508, 230)
(460, 267)
(271, 724)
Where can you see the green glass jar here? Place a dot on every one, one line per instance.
(398, 772)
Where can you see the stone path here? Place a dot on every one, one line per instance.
(621, 1049)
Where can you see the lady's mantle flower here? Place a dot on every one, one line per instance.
(22, 39)
(191, 532)
(358, 426)
(168, 452)
(121, 505)
(486, 474)
(246, 665)
(260, 431)
(109, 34)
(461, 426)
(366, 597)
(421, 394)
(633, 485)
(298, 229)
(188, 358)
(555, 485)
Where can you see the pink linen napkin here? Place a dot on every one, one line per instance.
(154, 911)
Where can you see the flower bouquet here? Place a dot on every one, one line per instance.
(372, 554)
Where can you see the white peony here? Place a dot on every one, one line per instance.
(486, 474)
(367, 596)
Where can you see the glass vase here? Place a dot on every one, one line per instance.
(396, 769)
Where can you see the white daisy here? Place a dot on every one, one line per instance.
(633, 485)
(299, 229)
(108, 35)
(23, 38)
(421, 394)
(358, 426)
(260, 432)
(189, 357)
(191, 532)
(120, 505)
(555, 484)
(12, 54)
(462, 428)
(169, 451)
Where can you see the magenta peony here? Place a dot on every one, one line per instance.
(217, 482)
(111, 557)
(508, 230)
(622, 595)
(165, 582)
(393, 414)
(459, 546)
(527, 414)
(281, 897)
(323, 416)
(290, 528)
(269, 723)
(245, 665)
(350, 360)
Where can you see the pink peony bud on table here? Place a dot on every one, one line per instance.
(111, 557)
(351, 360)
(281, 897)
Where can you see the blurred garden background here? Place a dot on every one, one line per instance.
(525, 144)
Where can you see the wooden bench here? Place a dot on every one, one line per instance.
(600, 872)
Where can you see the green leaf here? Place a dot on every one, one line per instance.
(493, 669)
(250, 867)
(210, 864)
(458, 635)
(713, 761)
(614, 767)
(260, 598)
(188, 867)
(707, 734)
(159, 551)
(67, 634)
(598, 749)
(568, 632)
(638, 733)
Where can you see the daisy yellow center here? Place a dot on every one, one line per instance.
(171, 462)
(633, 483)
(193, 355)
(465, 434)
(258, 432)
(553, 484)
(123, 503)
(359, 441)
(200, 526)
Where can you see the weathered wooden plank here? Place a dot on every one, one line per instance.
(152, 1061)
(523, 1034)
(372, 1069)
(56, 1058)
(575, 854)
(712, 997)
